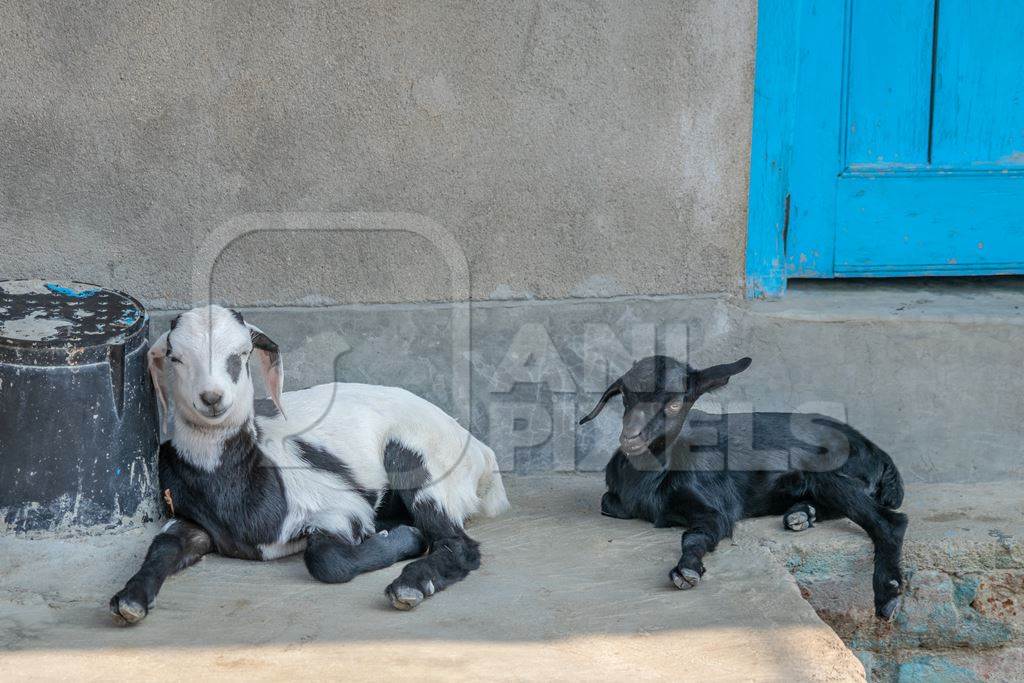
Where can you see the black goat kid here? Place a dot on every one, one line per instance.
(709, 471)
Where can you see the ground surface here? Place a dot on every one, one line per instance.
(563, 594)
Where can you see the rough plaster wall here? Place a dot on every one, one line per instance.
(571, 148)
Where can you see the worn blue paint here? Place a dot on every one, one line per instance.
(67, 291)
(770, 147)
(898, 141)
(129, 318)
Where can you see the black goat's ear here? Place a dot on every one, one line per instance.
(717, 376)
(613, 390)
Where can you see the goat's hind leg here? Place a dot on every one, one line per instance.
(179, 544)
(453, 555)
(885, 527)
(334, 560)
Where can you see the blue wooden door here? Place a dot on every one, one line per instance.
(903, 136)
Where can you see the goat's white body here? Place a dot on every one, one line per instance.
(354, 423)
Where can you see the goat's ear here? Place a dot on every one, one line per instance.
(156, 356)
(613, 390)
(717, 376)
(270, 363)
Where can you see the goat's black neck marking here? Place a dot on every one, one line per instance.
(320, 459)
(241, 503)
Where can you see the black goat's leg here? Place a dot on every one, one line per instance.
(885, 527)
(800, 516)
(453, 555)
(704, 531)
(335, 560)
(179, 544)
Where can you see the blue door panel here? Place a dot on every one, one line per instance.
(922, 225)
(889, 81)
(893, 140)
(979, 83)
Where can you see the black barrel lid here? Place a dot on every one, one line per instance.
(66, 323)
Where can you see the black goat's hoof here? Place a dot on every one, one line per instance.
(799, 518)
(888, 611)
(404, 598)
(797, 521)
(127, 610)
(684, 579)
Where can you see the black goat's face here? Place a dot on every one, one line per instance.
(657, 394)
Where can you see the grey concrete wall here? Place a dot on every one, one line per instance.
(572, 149)
(931, 378)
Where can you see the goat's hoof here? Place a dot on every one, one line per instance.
(887, 612)
(404, 597)
(800, 517)
(797, 521)
(127, 611)
(684, 579)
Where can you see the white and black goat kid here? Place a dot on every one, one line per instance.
(709, 471)
(357, 476)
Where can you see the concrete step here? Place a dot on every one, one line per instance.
(563, 594)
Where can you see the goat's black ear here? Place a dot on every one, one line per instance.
(262, 341)
(613, 390)
(717, 376)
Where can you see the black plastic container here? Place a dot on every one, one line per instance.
(78, 422)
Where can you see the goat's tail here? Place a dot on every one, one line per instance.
(890, 485)
(490, 488)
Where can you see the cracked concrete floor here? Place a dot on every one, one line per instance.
(563, 594)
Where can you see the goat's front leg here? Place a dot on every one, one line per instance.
(179, 544)
(611, 506)
(705, 530)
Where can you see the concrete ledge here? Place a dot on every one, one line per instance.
(564, 594)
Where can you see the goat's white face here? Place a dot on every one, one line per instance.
(208, 350)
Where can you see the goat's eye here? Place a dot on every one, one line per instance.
(175, 359)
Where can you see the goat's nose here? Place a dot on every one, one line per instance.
(210, 398)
